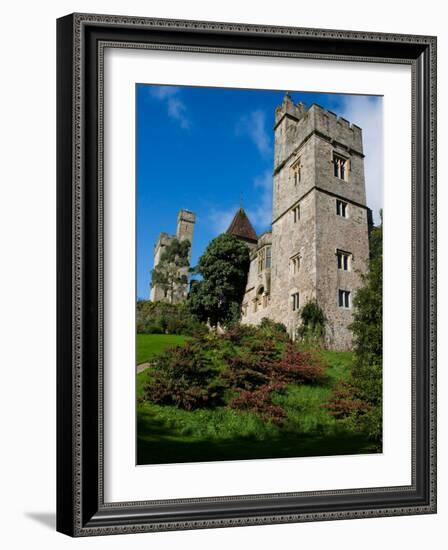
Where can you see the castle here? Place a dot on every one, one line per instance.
(317, 248)
(184, 231)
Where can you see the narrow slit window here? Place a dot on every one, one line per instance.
(341, 208)
(296, 213)
(268, 260)
(297, 172)
(295, 301)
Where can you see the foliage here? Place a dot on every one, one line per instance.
(243, 368)
(259, 401)
(169, 273)
(300, 366)
(272, 329)
(185, 377)
(360, 401)
(166, 318)
(217, 297)
(312, 328)
(167, 433)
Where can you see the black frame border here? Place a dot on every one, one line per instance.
(81, 39)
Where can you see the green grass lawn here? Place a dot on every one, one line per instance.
(149, 345)
(168, 434)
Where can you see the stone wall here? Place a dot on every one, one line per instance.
(314, 233)
(184, 230)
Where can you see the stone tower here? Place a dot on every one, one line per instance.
(184, 231)
(318, 247)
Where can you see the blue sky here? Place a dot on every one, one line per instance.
(211, 149)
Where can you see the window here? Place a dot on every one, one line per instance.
(296, 213)
(340, 166)
(244, 310)
(344, 299)
(341, 208)
(295, 264)
(297, 172)
(260, 260)
(295, 301)
(343, 260)
(264, 258)
(268, 257)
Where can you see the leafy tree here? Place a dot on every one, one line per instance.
(367, 330)
(360, 398)
(224, 266)
(168, 273)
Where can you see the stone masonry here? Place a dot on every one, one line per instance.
(185, 227)
(318, 246)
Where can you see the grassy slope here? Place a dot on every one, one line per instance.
(149, 345)
(168, 434)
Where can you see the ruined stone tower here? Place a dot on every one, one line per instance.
(184, 231)
(318, 246)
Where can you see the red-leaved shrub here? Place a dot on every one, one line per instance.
(299, 366)
(344, 402)
(259, 401)
(185, 377)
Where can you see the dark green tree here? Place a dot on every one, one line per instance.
(367, 328)
(358, 400)
(168, 273)
(217, 297)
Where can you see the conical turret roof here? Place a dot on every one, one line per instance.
(241, 227)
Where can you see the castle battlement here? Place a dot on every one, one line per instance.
(319, 210)
(184, 231)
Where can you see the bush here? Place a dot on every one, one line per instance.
(345, 403)
(271, 329)
(259, 402)
(166, 318)
(243, 368)
(300, 366)
(261, 370)
(312, 329)
(185, 377)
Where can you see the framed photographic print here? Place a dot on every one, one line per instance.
(246, 274)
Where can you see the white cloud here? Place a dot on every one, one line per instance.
(261, 214)
(367, 112)
(253, 126)
(176, 108)
(220, 219)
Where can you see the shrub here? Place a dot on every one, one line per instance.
(166, 318)
(238, 333)
(185, 377)
(271, 329)
(243, 368)
(263, 370)
(300, 366)
(259, 401)
(312, 329)
(345, 403)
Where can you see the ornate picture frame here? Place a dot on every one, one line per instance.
(81, 506)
